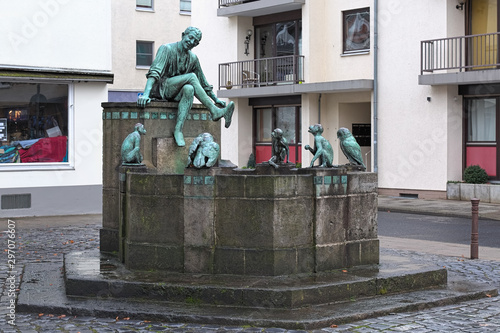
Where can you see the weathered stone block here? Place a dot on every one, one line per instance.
(155, 219)
(108, 240)
(155, 184)
(242, 223)
(167, 157)
(331, 220)
(228, 186)
(150, 256)
(362, 182)
(229, 261)
(110, 208)
(260, 262)
(330, 257)
(292, 222)
(362, 217)
(198, 259)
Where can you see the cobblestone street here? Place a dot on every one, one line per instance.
(49, 244)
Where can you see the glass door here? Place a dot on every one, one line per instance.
(482, 134)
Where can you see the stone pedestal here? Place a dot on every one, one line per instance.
(157, 146)
(240, 222)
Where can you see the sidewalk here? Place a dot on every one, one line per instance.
(438, 207)
(441, 208)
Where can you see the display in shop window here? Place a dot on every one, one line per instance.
(36, 123)
(350, 148)
(322, 151)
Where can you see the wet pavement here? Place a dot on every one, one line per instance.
(50, 242)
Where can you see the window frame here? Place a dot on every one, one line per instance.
(50, 166)
(152, 54)
(185, 12)
(345, 13)
(144, 8)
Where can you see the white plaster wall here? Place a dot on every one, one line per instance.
(413, 133)
(56, 33)
(85, 150)
(323, 40)
(163, 25)
(223, 42)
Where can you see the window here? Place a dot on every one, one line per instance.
(185, 6)
(356, 30)
(144, 4)
(35, 118)
(144, 54)
(481, 120)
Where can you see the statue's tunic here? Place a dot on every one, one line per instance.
(170, 62)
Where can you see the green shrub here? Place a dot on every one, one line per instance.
(474, 174)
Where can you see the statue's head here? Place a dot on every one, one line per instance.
(140, 128)
(191, 37)
(277, 133)
(315, 129)
(343, 133)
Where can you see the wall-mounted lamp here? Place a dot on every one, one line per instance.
(247, 40)
(461, 5)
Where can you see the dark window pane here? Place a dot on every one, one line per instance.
(357, 30)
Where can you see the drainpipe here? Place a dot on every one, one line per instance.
(375, 86)
(319, 109)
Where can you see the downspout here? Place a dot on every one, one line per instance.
(319, 109)
(375, 86)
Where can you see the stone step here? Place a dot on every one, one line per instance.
(43, 291)
(91, 274)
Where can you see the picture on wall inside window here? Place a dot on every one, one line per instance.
(357, 30)
(36, 122)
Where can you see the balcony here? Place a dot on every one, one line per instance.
(253, 8)
(261, 72)
(460, 60)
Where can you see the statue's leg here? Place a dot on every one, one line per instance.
(201, 94)
(185, 104)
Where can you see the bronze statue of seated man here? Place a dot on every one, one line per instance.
(176, 75)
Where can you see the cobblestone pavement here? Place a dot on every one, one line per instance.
(49, 244)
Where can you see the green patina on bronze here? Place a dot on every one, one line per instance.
(131, 146)
(176, 75)
(322, 150)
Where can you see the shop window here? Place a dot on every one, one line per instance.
(356, 30)
(144, 54)
(185, 6)
(35, 118)
(144, 4)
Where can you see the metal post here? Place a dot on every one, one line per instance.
(474, 241)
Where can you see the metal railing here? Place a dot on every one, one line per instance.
(460, 53)
(262, 72)
(225, 3)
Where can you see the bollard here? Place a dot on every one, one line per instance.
(474, 239)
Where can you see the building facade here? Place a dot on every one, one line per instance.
(139, 28)
(54, 71)
(417, 91)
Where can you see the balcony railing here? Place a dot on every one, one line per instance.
(225, 3)
(262, 72)
(462, 53)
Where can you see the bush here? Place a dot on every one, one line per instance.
(474, 174)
